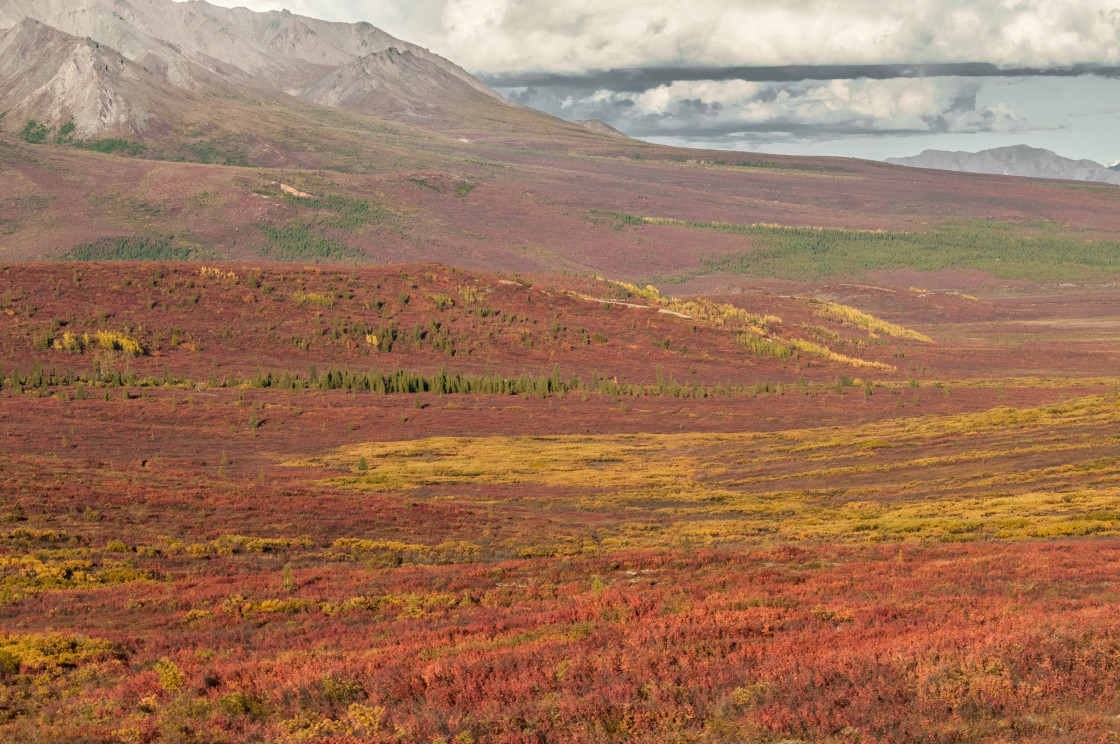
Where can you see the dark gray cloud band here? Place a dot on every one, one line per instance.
(638, 80)
(774, 104)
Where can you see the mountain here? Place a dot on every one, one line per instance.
(53, 76)
(403, 86)
(279, 48)
(598, 125)
(1018, 160)
(207, 133)
(196, 46)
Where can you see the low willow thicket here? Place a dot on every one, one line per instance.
(810, 253)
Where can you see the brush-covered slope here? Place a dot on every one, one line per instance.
(578, 202)
(401, 156)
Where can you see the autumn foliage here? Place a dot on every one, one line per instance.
(211, 554)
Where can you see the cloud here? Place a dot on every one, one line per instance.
(707, 109)
(574, 36)
(747, 73)
(577, 35)
(640, 79)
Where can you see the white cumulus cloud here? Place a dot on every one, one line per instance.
(579, 35)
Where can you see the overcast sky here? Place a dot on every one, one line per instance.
(846, 77)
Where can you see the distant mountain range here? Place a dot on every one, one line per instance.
(1018, 160)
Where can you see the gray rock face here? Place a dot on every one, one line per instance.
(194, 44)
(1019, 160)
(394, 84)
(53, 77)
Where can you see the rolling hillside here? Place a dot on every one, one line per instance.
(148, 130)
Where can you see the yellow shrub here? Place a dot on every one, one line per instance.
(68, 342)
(744, 696)
(368, 546)
(211, 272)
(470, 295)
(366, 718)
(844, 314)
(54, 649)
(825, 353)
(171, 677)
(311, 298)
(113, 341)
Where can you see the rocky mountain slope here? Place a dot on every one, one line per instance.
(1019, 160)
(399, 85)
(195, 45)
(51, 76)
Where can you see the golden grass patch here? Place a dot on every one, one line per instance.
(999, 474)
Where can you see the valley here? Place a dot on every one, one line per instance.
(343, 399)
(260, 503)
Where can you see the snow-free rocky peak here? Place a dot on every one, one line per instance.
(1017, 160)
(196, 45)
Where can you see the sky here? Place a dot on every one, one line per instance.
(862, 78)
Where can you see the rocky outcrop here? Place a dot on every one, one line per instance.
(598, 125)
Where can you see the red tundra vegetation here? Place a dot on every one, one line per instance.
(417, 504)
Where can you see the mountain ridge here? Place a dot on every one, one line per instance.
(1016, 160)
(196, 45)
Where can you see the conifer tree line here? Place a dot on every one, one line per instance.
(443, 382)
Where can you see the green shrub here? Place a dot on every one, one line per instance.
(137, 249)
(765, 347)
(9, 662)
(65, 133)
(298, 241)
(110, 146)
(241, 704)
(34, 133)
(809, 253)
